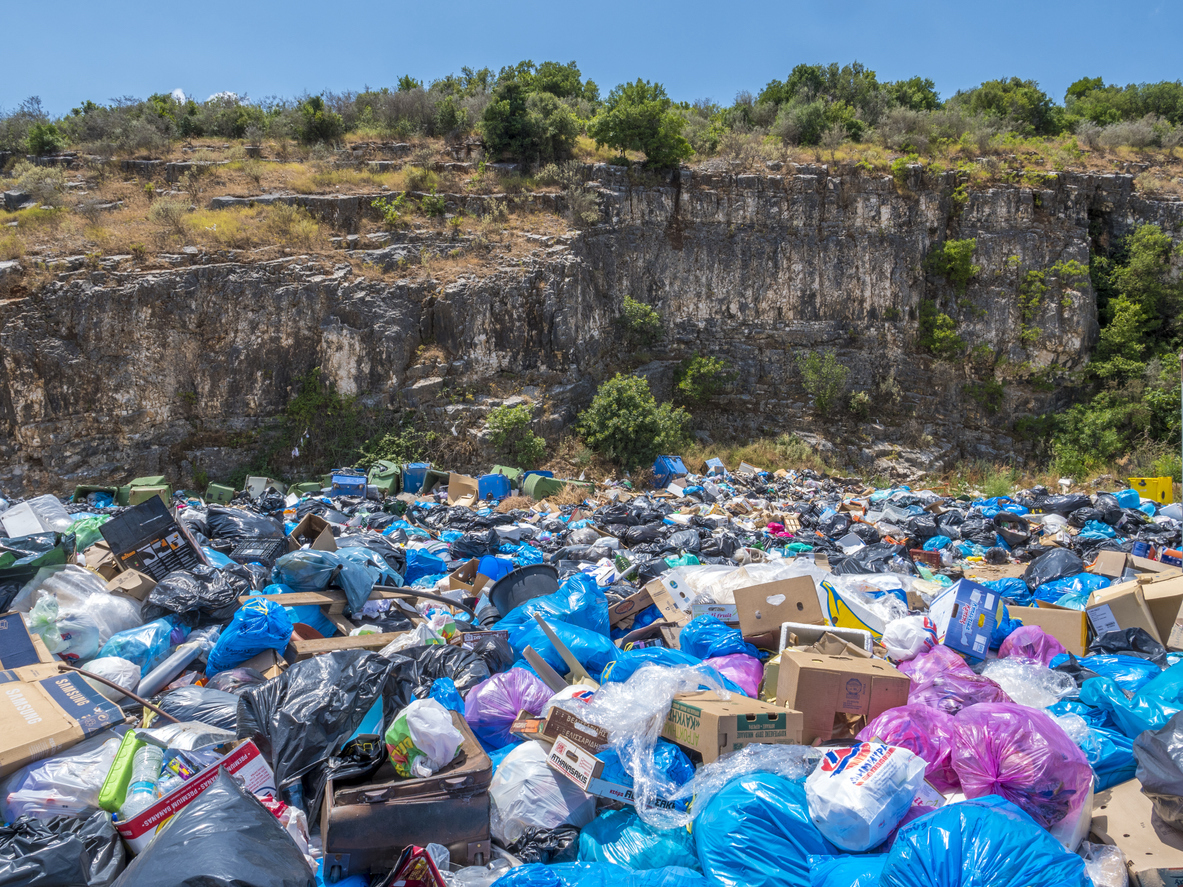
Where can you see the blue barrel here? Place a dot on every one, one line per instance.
(666, 469)
(414, 473)
(493, 486)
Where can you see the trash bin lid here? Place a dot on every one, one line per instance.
(523, 584)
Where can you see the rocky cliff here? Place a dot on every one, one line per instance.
(108, 374)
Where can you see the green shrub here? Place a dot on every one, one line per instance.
(700, 378)
(988, 394)
(419, 178)
(392, 210)
(639, 117)
(318, 123)
(433, 204)
(953, 259)
(45, 138)
(46, 184)
(639, 324)
(510, 433)
(824, 379)
(938, 332)
(860, 404)
(532, 126)
(626, 424)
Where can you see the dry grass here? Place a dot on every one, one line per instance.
(787, 452)
(515, 503)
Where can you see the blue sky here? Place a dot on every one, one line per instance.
(69, 50)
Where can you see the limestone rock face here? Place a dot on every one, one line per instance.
(107, 375)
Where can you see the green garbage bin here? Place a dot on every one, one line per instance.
(156, 482)
(308, 486)
(540, 487)
(514, 475)
(219, 493)
(387, 477)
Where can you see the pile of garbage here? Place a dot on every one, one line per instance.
(735, 678)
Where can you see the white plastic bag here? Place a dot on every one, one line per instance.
(64, 785)
(51, 513)
(113, 668)
(1104, 864)
(75, 614)
(907, 638)
(859, 794)
(423, 739)
(526, 792)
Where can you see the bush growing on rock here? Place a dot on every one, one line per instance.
(638, 117)
(639, 324)
(627, 425)
(824, 379)
(701, 378)
(511, 435)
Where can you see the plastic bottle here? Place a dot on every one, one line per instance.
(145, 773)
(167, 670)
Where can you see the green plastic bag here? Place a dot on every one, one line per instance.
(86, 531)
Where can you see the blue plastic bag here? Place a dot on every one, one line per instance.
(1076, 586)
(598, 874)
(1131, 673)
(593, 650)
(1128, 498)
(146, 645)
(1166, 685)
(312, 570)
(376, 565)
(443, 691)
(845, 871)
(627, 663)
(1013, 589)
(986, 842)
(757, 832)
(579, 601)
(1004, 629)
(708, 636)
(936, 543)
(623, 838)
(668, 760)
(1111, 756)
(1096, 531)
(422, 563)
(1132, 716)
(258, 625)
(311, 615)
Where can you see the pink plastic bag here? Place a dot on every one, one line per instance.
(1031, 642)
(952, 691)
(938, 660)
(493, 704)
(745, 671)
(926, 732)
(1023, 755)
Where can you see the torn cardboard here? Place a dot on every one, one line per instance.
(762, 609)
(462, 490)
(1119, 607)
(132, 583)
(313, 531)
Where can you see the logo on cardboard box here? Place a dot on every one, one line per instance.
(855, 690)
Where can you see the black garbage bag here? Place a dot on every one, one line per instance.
(270, 502)
(383, 546)
(835, 525)
(466, 668)
(224, 838)
(194, 520)
(303, 716)
(1160, 769)
(865, 531)
(236, 523)
(1108, 507)
(255, 575)
(1082, 516)
(1131, 642)
(996, 556)
(978, 529)
(1013, 528)
(63, 851)
(684, 540)
(869, 559)
(199, 596)
(472, 545)
(1055, 564)
(235, 680)
(721, 544)
(922, 527)
(1064, 504)
(358, 761)
(1076, 671)
(214, 707)
(495, 651)
(642, 533)
(547, 845)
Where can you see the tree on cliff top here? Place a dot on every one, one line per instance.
(639, 117)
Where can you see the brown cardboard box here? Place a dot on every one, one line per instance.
(100, 559)
(43, 717)
(622, 611)
(1069, 627)
(462, 490)
(1125, 818)
(1164, 598)
(1146, 565)
(560, 722)
(20, 647)
(762, 608)
(822, 687)
(132, 583)
(466, 578)
(711, 726)
(268, 663)
(1109, 563)
(313, 531)
(1119, 607)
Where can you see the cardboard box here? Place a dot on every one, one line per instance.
(467, 578)
(39, 718)
(1125, 818)
(1164, 600)
(850, 613)
(622, 611)
(560, 723)
(1119, 607)
(20, 647)
(1069, 627)
(586, 770)
(132, 583)
(823, 687)
(268, 663)
(245, 763)
(965, 616)
(463, 490)
(100, 559)
(726, 613)
(1109, 563)
(763, 608)
(1146, 565)
(711, 726)
(313, 531)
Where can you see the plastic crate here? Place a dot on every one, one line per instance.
(1159, 489)
(265, 551)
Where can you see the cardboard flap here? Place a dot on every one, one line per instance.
(763, 608)
(463, 490)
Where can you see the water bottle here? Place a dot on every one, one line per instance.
(141, 789)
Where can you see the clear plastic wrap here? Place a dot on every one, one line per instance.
(65, 785)
(119, 671)
(1029, 683)
(1105, 864)
(75, 614)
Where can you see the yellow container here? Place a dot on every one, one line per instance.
(1160, 489)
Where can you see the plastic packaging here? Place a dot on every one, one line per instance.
(75, 614)
(707, 636)
(744, 671)
(1105, 864)
(119, 671)
(1028, 682)
(145, 645)
(1031, 642)
(422, 739)
(1024, 756)
(51, 513)
(756, 832)
(858, 795)
(845, 871)
(988, 841)
(65, 785)
(622, 837)
(64, 851)
(909, 637)
(525, 791)
(924, 731)
(258, 625)
(145, 773)
(953, 691)
(492, 705)
(579, 601)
